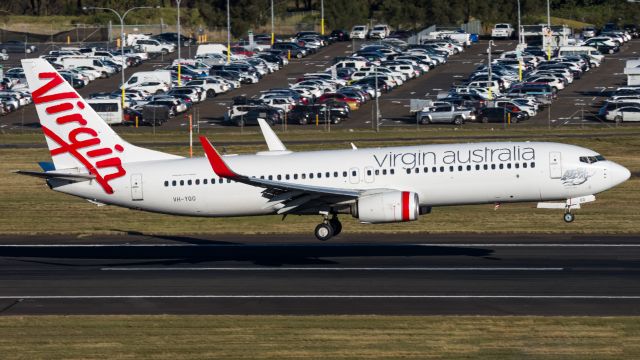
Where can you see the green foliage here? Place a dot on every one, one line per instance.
(250, 14)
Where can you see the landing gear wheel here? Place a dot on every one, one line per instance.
(324, 231)
(336, 225)
(568, 217)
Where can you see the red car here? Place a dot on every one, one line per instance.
(239, 50)
(354, 104)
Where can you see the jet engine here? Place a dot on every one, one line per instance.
(386, 207)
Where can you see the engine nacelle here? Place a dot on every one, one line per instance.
(390, 206)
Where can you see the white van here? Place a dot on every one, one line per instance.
(359, 32)
(110, 110)
(581, 50)
(146, 76)
(75, 61)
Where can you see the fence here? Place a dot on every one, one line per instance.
(473, 27)
(81, 33)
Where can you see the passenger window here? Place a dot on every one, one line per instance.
(166, 183)
(189, 182)
(335, 174)
(426, 169)
(468, 167)
(441, 168)
(344, 174)
(310, 175)
(485, 166)
(508, 165)
(408, 171)
(181, 182)
(477, 166)
(304, 176)
(286, 176)
(354, 173)
(493, 166)
(392, 171)
(270, 177)
(524, 165)
(459, 167)
(377, 172)
(384, 171)
(533, 165)
(319, 175)
(434, 169)
(417, 170)
(213, 181)
(204, 181)
(173, 183)
(517, 165)
(327, 174)
(450, 168)
(197, 181)
(279, 177)
(501, 166)
(369, 172)
(295, 176)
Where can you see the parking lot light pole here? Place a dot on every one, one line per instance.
(122, 39)
(519, 25)
(322, 17)
(179, 57)
(489, 67)
(273, 32)
(228, 35)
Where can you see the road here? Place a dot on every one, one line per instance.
(575, 106)
(354, 274)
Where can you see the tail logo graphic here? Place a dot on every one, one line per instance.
(83, 142)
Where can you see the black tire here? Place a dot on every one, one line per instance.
(336, 225)
(299, 55)
(303, 121)
(618, 119)
(514, 119)
(211, 93)
(611, 51)
(336, 120)
(164, 51)
(240, 122)
(323, 232)
(458, 120)
(568, 217)
(425, 120)
(28, 51)
(485, 119)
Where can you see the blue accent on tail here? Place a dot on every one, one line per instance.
(47, 166)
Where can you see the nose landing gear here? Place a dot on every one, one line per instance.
(568, 217)
(328, 228)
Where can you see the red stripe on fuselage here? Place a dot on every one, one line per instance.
(405, 206)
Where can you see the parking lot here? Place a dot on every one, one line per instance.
(575, 105)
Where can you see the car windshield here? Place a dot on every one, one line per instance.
(502, 26)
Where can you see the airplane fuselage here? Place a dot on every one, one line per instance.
(447, 174)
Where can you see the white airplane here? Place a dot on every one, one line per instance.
(379, 185)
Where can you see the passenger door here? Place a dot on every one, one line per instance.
(354, 175)
(136, 187)
(369, 176)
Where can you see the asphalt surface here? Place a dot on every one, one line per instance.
(353, 274)
(576, 105)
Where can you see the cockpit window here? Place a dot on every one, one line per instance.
(591, 159)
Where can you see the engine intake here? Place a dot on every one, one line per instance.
(386, 207)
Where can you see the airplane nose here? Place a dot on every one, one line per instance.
(618, 174)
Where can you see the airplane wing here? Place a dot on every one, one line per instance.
(293, 196)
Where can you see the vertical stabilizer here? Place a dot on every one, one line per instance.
(76, 135)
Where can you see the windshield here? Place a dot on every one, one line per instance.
(591, 159)
(502, 26)
(358, 28)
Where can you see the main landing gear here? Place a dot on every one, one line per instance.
(328, 228)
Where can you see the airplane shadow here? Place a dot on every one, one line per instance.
(257, 254)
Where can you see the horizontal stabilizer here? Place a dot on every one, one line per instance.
(58, 175)
(47, 166)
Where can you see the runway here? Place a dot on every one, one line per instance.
(353, 274)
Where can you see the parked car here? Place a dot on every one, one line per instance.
(499, 114)
(623, 114)
(339, 35)
(15, 46)
(446, 113)
(173, 38)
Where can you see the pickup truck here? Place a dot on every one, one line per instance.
(502, 31)
(446, 113)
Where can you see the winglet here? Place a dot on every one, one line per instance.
(273, 142)
(217, 164)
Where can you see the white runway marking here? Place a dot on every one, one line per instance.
(313, 244)
(331, 269)
(489, 297)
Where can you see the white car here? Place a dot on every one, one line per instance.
(154, 46)
(379, 32)
(284, 103)
(626, 113)
(152, 87)
(359, 32)
(211, 86)
(502, 31)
